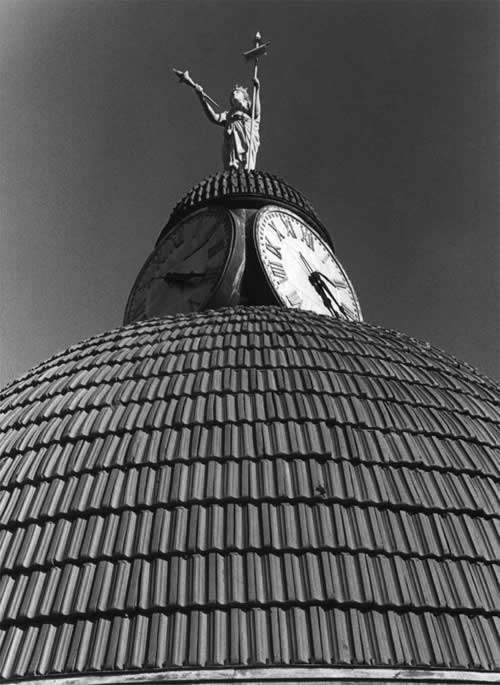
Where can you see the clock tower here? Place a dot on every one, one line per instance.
(249, 238)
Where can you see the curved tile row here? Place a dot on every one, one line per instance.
(311, 635)
(242, 580)
(314, 441)
(238, 527)
(250, 409)
(285, 385)
(243, 480)
(340, 337)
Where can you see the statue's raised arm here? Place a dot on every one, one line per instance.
(256, 84)
(212, 115)
(241, 121)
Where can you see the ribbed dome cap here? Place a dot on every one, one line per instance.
(241, 187)
(245, 488)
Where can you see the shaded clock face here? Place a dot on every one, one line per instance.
(300, 266)
(186, 267)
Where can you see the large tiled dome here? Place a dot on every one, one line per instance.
(250, 493)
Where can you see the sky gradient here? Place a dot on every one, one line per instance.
(384, 114)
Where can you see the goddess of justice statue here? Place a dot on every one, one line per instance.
(242, 120)
(241, 131)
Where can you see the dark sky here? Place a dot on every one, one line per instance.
(384, 114)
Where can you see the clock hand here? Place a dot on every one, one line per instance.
(182, 276)
(315, 278)
(319, 286)
(202, 244)
(320, 277)
(317, 283)
(336, 284)
(305, 262)
(342, 308)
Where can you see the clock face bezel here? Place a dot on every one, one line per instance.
(231, 267)
(260, 231)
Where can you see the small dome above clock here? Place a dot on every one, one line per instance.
(244, 188)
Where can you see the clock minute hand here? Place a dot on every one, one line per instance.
(336, 284)
(306, 263)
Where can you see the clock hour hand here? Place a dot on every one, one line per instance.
(182, 276)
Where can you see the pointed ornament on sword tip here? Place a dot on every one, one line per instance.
(184, 77)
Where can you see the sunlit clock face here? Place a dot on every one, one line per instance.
(186, 267)
(300, 267)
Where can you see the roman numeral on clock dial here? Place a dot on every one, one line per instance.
(278, 271)
(307, 237)
(294, 299)
(273, 249)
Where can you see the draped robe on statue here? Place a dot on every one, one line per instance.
(237, 151)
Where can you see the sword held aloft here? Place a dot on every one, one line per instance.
(184, 77)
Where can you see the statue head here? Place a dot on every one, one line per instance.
(239, 99)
